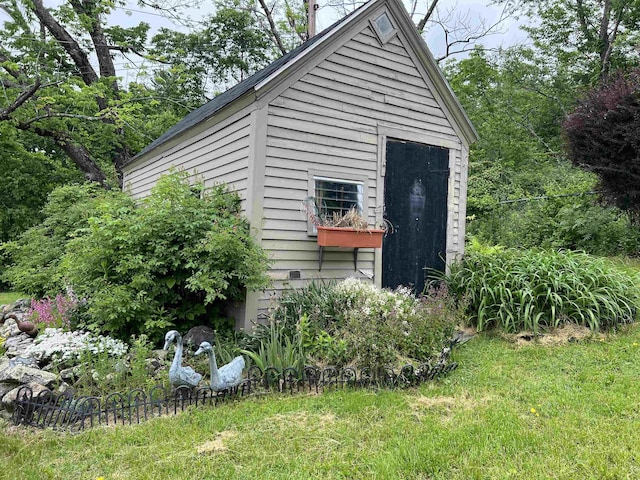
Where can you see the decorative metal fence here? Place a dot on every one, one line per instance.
(67, 412)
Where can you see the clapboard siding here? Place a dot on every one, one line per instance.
(327, 111)
(328, 121)
(220, 167)
(218, 155)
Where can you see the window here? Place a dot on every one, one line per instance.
(337, 197)
(383, 27)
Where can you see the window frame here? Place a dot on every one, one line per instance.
(382, 38)
(350, 179)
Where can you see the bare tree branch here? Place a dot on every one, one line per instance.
(18, 102)
(272, 26)
(460, 28)
(423, 21)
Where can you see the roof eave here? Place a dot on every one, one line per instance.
(240, 103)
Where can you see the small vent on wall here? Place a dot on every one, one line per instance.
(294, 274)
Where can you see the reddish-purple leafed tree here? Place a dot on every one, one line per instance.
(603, 136)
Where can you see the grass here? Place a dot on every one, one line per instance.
(10, 297)
(508, 412)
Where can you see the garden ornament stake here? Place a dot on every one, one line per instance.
(179, 375)
(225, 377)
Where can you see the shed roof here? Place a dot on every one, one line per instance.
(219, 102)
(273, 70)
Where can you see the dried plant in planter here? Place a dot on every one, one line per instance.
(351, 219)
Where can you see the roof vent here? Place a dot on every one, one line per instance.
(383, 27)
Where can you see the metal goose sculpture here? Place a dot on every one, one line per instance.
(179, 375)
(225, 377)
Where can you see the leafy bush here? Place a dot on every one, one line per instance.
(385, 327)
(176, 257)
(34, 258)
(574, 223)
(532, 289)
(603, 136)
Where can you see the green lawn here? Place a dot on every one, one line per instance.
(10, 297)
(529, 412)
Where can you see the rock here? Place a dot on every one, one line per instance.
(21, 374)
(16, 346)
(6, 387)
(153, 365)
(17, 316)
(160, 354)
(10, 328)
(26, 361)
(7, 308)
(66, 389)
(199, 334)
(10, 397)
(4, 363)
(69, 375)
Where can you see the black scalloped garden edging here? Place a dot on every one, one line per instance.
(66, 412)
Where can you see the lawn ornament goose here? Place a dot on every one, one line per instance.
(225, 377)
(179, 375)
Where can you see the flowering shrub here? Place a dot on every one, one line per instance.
(355, 321)
(54, 313)
(384, 326)
(58, 345)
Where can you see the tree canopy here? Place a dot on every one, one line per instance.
(66, 108)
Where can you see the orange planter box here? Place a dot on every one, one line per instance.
(349, 237)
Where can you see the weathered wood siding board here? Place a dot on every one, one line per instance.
(219, 155)
(222, 142)
(206, 167)
(327, 121)
(360, 96)
(383, 85)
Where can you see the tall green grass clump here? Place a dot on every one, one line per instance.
(518, 290)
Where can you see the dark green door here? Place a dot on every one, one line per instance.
(415, 203)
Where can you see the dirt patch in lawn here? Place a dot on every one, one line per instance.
(570, 333)
(217, 444)
(445, 405)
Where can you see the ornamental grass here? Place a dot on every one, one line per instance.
(517, 290)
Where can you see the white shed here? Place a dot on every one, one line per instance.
(361, 112)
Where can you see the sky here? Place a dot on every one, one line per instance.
(469, 12)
